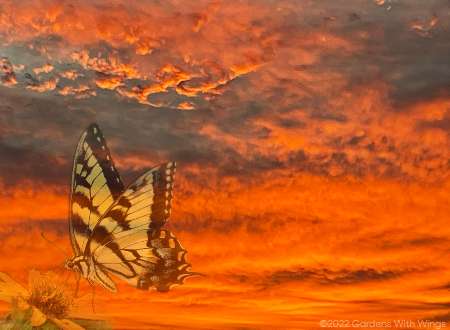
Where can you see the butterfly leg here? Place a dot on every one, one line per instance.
(93, 297)
(66, 278)
(78, 285)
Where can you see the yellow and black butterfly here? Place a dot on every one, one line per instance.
(118, 231)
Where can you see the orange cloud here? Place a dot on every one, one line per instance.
(109, 65)
(295, 216)
(80, 92)
(44, 86)
(168, 76)
(18, 67)
(70, 74)
(185, 106)
(109, 82)
(46, 68)
(30, 204)
(204, 17)
(83, 28)
(422, 28)
(8, 77)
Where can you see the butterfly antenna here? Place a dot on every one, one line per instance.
(54, 246)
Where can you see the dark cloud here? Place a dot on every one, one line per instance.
(441, 124)
(25, 229)
(329, 277)
(20, 164)
(364, 275)
(417, 67)
(389, 240)
(373, 44)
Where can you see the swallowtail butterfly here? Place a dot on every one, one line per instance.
(118, 231)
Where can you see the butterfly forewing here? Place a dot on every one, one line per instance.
(95, 185)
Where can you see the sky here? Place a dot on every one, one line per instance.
(312, 140)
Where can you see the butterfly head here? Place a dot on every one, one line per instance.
(77, 264)
(69, 264)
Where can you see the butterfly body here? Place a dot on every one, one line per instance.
(85, 267)
(118, 231)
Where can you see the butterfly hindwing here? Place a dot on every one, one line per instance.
(95, 185)
(148, 258)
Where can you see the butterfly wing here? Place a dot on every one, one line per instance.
(128, 241)
(145, 204)
(144, 259)
(95, 185)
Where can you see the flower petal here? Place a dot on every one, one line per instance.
(10, 289)
(37, 317)
(65, 324)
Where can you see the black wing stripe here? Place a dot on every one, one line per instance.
(135, 193)
(81, 181)
(82, 201)
(120, 219)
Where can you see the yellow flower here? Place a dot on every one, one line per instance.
(45, 299)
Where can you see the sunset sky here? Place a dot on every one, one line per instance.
(312, 140)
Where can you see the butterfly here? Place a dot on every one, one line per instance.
(118, 231)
